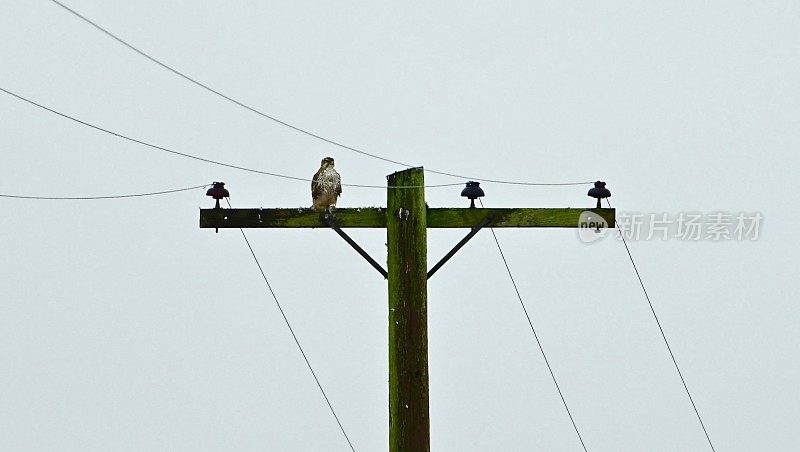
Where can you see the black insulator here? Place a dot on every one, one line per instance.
(599, 191)
(472, 191)
(218, 192)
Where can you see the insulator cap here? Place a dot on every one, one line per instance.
(473, 190)
(599, 191)
(218, 191)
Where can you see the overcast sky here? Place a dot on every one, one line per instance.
(123, 326)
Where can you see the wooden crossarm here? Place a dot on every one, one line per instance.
(375, 217)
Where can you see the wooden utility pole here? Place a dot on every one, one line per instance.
(406, 219)
(406, 228)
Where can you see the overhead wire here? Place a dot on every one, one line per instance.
(194, 157)
(294, 336)
(85, 198)
(663, 335)
(282, 122)
(536, 336)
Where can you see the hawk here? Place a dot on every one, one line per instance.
(326, 186)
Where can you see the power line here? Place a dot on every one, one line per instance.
(190, 156)
(294, 336)
(536, 336)
(144, 143)
(279, 121)
(84, 198)
(663, 335)
(228, 165)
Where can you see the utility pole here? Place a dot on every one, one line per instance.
(406, 229)
(406, 219)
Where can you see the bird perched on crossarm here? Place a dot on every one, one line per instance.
(326, 186)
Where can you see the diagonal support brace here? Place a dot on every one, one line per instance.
(355, 246)
(458, 246)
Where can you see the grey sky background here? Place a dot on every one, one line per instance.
(123, 326)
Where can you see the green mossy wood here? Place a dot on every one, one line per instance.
(406, 230)
(375, 217)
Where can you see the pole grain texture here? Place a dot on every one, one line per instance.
(406, 224)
